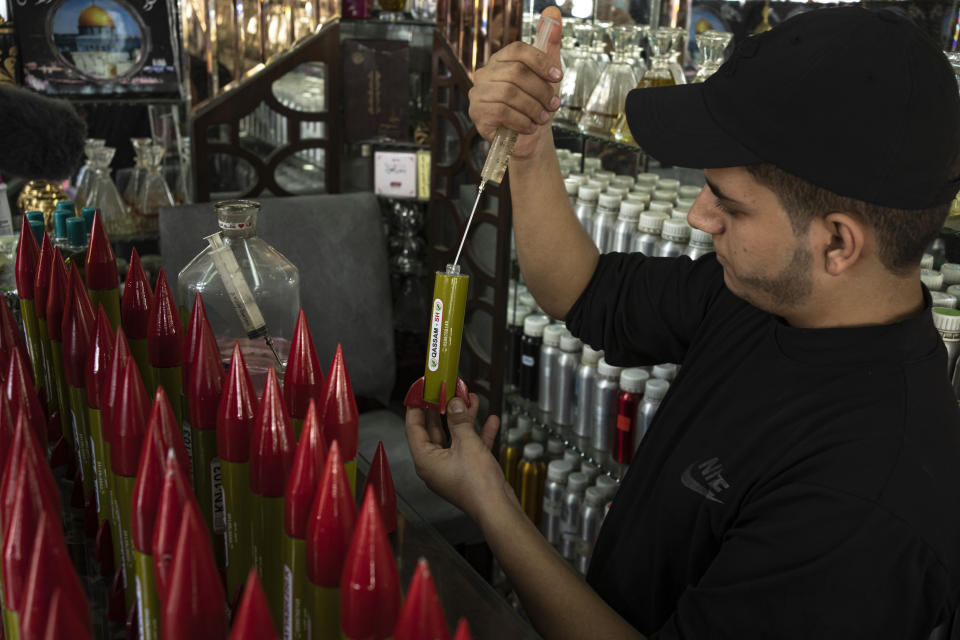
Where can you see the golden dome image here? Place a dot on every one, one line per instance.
(94, 16)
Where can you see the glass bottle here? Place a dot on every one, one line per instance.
(676, 54)
(154, 192)
(579, 78)
(86, 176)
(642, 34)
(712, 45)
(606, 103)
(658, 75)
(182, 191)
(273, 280)
(103, 194)
(132, 189)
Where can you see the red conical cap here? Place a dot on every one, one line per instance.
(28, 257)
(237, 413)
(191, 346)
(303, 379)
(97, 366)
(165, 334)
(56, 296)
(129, 423)
(370, 586)
(51, 570)
(176, 493)
(11, 338)
(65, 620)
(101, 269)
(24, 445)
(331, 523)
(137, 301)
(41, 283)
(113, 383)
(304, 476)
(206, 383)
(252, 620)
(381, 480)
(338, 409)
(271, 447)
(7, 429)
(463, 630)
(195, 604)
(77, 330)
(23, 395)
(421, 617)
(163, 435)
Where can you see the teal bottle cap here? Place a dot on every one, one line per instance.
(88, 213)
(60, 222)
(37, 227)
(67, 205)
(35, 215)
(76, 231)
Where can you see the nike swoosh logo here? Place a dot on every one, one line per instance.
(691, 483)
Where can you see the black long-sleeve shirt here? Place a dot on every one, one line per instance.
(795, 483)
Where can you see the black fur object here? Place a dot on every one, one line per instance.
(39, 137)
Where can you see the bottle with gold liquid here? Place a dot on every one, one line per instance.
(658, 75)
(532, 474)
(511, 450)
(608, 98)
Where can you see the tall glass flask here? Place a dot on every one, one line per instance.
(86, 179)
(579, 78)
(658, 75)
(607, 101)
(103, 194)
(154, 192)
(132, 190)
(712, 45)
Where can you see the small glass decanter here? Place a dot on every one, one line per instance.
(182, 193)
(273, 280)
(676, 54)
(86, 178)
(154, 192)
(579, 78)
(658, 75)
(103, 194)
(132, 189)
(607, 101)
(712, 45)
(642, 33)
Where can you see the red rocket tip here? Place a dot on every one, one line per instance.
(237, 413)
(163, 436)
(191, 346)
(51, 570)
(137, 301)
(7, 428)
(25, 445)
(165, 333)
(370, 586)
(41, 283)
(304, 476)
(65, 620)
(463, 630)
(338, 408)
(252, 621)
(97, 365)
(333, 516)
(303, 379)
(174, 495)
(56, 296)
(129, 420)
(414, 397)
(101, 268)
(113, 383)
(206, 383)
(11, 337)
(381, 480)
(272, 443)
(23, 396)
(28, 256)
(103, 548)
(194, 605)
(421, 617)
(77, 327)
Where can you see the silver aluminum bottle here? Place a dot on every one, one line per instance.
(601, 229)
(608, 486)
(949, 327)
(673, 238)
(586, 205)
(564, 374)
(548, 358)
(604, 410)
(625, 227)
(553, 490)
(701, 243)
(573, 188)
(590, 521)
(648, 233)
(653, 394)
(944, 299)
(571, 511)
(585, 385)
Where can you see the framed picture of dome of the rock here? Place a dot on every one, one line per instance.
(98, 48)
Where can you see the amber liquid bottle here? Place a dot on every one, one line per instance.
(658, 75)
(510, 453)
(532, 474)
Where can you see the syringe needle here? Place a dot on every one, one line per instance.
(466, 229)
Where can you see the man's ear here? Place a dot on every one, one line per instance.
(844, 236)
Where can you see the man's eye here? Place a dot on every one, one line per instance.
(719, 205)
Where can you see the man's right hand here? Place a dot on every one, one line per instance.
(519, 89)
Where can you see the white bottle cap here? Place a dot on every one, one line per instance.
(524, 423)
(643, 199)
(952, 290)
(551, 335)
(947, 299)
(577, 482)
(660, 205)
(946, 320)
(617, 191)
(647, 179)
(576, 155)
(609, 201)
(591, 355)
(591, 164)
(532, 451)
(594, 497)
(650, 223)
(666, 371)
(624, 182)
(681, 201)
(588, 194)
(700, 236)
(643, 189)
(572, 457)
(604, 175)
(516, 315)
(632, 380)
(932, 278)
(665, 194)
(680, 209)
(555, 447)
(579, 177)
(563, 153)
(570, 344)
(689, 191)
(656, 389)
(514, 436)
(608, 370)
(630, 211)
(558, 470)
(926, 262)
(572, 185)
(607, 485)
(589, 470)
(677, 230)
(951, 273)
(668, 183)
(679, 215)
(600, 185)
(534, 325)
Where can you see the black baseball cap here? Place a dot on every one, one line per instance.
(857, 101)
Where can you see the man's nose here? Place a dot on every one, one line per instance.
(704, 215)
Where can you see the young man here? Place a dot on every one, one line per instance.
(802, 477)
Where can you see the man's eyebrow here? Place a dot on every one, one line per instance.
(721, 195)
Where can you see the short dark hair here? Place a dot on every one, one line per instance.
(902, 234)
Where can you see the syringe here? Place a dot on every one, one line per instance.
(239, 292)
(503, 142)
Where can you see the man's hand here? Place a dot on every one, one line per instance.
(462, 469)
(519, 89)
